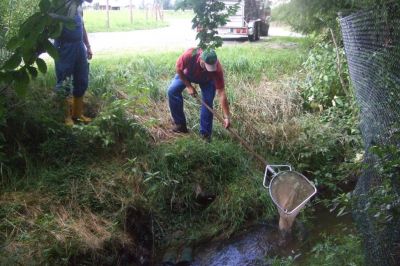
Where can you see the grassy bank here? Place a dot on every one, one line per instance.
(123, 187)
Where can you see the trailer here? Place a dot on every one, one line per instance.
(251, 20)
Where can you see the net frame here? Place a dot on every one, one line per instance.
(272, 181)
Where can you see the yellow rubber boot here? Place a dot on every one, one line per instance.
(68, 112)
(77, 113)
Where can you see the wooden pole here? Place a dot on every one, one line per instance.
(130, 9)
(108, 14)
(339, 64)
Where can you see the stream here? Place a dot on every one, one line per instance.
(260, 243)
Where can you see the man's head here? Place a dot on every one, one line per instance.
(209, 57)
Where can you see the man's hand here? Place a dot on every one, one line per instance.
(89, 53)
(227, 122)
(192, 91)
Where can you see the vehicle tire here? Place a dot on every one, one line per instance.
(252, 37)
(257, 32)
(263, 28)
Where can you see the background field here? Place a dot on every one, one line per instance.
(95, 20)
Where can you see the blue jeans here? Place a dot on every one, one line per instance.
(175, 100)
(72, 63)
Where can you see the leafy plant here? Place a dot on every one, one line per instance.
(335, 251)
(322, 85)
(31, 40)
(209, 15)
(326, 147)
(309, 16)
(114, 128)
(383, 199)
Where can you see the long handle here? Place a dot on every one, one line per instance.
(234, 133)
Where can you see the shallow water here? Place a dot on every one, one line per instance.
(253, 246)
(248, 248)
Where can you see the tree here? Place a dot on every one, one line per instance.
(12, 14)
(32, 39)
(308, 16)
(166, 4)
(209, 15)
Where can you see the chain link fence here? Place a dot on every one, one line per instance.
(372, 44)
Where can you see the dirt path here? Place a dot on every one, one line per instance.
(179, 35)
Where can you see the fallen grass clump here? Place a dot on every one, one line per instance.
(81, 217)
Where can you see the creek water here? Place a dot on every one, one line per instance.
(258, 244)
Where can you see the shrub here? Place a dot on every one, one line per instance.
(336, 251)
(322, 84)
(325, 147)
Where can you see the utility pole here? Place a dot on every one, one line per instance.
(130, 8)
(108, 14)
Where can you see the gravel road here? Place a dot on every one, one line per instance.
(178, 35)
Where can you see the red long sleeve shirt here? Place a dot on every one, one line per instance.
(189, 64)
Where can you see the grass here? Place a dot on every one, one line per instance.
(96, 20)
(340, 249)
(178, 14)
(124, 184)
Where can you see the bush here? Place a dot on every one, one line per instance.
(331, 251)
(338, 250)
(322, 84)
(326, 147)
(33, 134)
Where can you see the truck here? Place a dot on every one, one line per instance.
(251, 20)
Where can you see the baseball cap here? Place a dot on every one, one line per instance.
(210, 59)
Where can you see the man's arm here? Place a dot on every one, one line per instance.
(223, 100)
(87, 44)
(191, 90)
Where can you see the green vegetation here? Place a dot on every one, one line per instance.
(343, 249)
(317, 16)
(124, 186)
(67, 193)
(208, 16)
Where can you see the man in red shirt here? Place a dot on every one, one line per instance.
(203, 68)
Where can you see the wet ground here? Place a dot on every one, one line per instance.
(248, 248)
(259, 244)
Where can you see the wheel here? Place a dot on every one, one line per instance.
(264, 29)
(257, 32)
(252, 37)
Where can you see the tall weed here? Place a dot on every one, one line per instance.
(322, 84)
